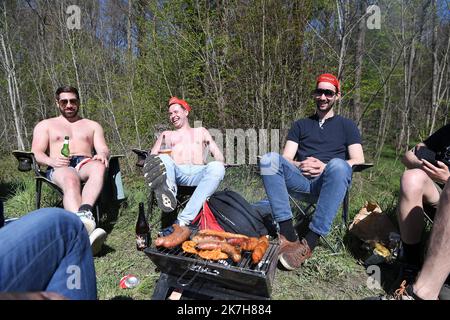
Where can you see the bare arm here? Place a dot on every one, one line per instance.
(101, 149)
(289, 152)
(157, 146)
(410, 160)
(355, 154)
(39, 147)
(213, 148)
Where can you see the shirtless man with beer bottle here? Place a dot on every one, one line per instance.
(70, 170)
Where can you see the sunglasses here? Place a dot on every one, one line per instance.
(328, 93)
(64, 102)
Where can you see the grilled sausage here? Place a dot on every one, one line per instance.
(260, 249)
(223, 234)
(237, 241)
(202, 238)
(230, 250)
(250, 244)
(177, 237)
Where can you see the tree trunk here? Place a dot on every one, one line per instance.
(14, 96)
(357, 109)
(434, 79)
(129, 25)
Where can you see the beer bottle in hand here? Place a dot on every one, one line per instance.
(142, 230)
(65, 149)
(165, 146)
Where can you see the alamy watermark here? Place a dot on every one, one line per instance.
(374, 19)
(74, 278)
(242, 146)
(374, 280)
(74, 20)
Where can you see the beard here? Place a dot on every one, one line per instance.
(328, 108)
(69, 114)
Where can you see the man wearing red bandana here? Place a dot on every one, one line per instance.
(178, 157)
(317, 162)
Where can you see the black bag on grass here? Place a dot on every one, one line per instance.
(234, 214)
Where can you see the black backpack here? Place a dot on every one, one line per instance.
(234, 214)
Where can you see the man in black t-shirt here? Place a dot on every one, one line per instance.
(420, 186)
(317, 160)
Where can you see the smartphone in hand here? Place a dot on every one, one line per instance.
(423, 153)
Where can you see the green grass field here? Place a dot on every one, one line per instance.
(326, 275)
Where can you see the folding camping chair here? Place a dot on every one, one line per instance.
(306, 207)
(112, 187)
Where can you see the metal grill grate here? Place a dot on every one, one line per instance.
(243, 276)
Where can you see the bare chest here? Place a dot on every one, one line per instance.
(78, 133)
(191, 139)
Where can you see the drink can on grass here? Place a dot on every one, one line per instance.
(129, 281)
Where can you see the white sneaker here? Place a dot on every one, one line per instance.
(97, 238)
(88, 220)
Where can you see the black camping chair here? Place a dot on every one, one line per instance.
(112, 187)
(306, 207)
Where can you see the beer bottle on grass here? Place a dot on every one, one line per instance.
(142, 230)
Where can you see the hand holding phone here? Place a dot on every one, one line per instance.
(423, 153)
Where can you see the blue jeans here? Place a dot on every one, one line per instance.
(206, 177)
(47, 250)
(2, 218)
(281, 178)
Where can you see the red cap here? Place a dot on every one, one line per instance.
(181, 102)
(328, 77)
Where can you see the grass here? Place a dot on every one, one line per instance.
(325, 276)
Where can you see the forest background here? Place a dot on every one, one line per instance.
(245, 64)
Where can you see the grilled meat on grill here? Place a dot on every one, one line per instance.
(260, 249)
(222, 234)
(230, 250)
(189, 247)
(212, 254)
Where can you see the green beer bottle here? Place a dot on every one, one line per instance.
(65, 149)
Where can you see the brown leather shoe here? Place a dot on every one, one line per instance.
(285, 244)
(295, 255)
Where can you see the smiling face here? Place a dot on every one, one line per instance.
(68, 105)
(324, 102)
(178, 115)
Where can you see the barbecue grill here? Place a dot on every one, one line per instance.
(207, 279)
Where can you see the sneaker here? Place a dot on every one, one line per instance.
(156, 179)
(88, 220)
(97, 238)
(285, 244)
(295, 254)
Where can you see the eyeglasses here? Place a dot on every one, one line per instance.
(328, 93)
(64, 102)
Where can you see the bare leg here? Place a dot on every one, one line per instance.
(415, 188)
(93, 173)
(69, 181)
(436, 267)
